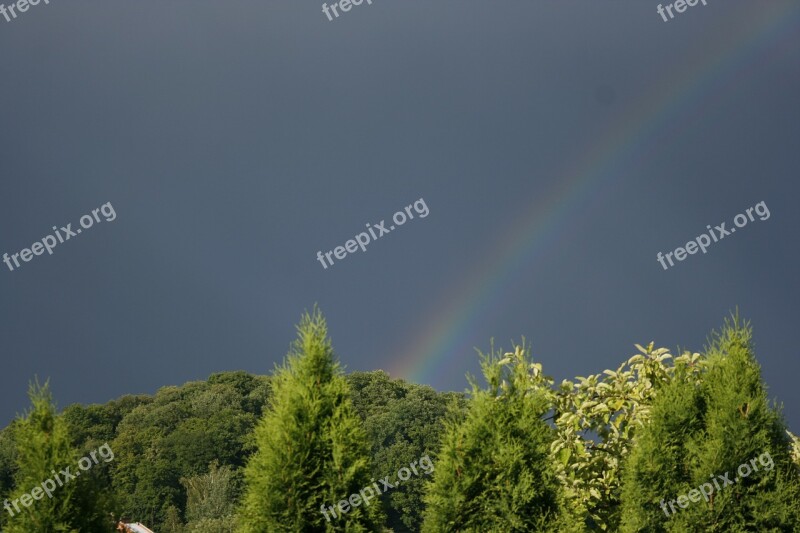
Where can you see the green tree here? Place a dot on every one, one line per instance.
(596, 418)
(43, 450)
(494, 471)
(210, 500)
(172, 521)
(176, 435)
(702, 435)
(656, 465)
(93, 425)
(312, 451)
(403, 422)
(8, 465)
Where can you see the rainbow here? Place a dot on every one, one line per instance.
(442, 337)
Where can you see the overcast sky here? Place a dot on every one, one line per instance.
(236, 139)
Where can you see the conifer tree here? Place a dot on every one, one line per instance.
(493, 471)
(43, 451)
(721, 445)
(656, 466)
(312, 452)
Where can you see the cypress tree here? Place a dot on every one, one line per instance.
(656, 465)
(722, 445)
(43, 450)
(312, 452)
(493, 471)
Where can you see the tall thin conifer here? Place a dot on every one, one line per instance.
(312, 452)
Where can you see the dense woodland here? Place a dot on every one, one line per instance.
(247, 453)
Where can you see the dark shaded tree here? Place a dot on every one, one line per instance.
(177, 435)
(403, 422)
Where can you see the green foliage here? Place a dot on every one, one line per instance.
(177, 435)
(403, 423)
(312, 448)
(795, 447)
(227, 524)
(42, 446)
(8, 462)
(655, 467)
(596, 418)
(493, 471)
(699, 431)
(93, 425)
(151, 438)
(172, 521)
(618, 443)
(210, 497)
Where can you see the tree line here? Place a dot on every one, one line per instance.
(251, 454)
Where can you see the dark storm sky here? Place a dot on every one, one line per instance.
(234, 139)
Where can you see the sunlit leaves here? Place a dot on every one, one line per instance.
(595, 418)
